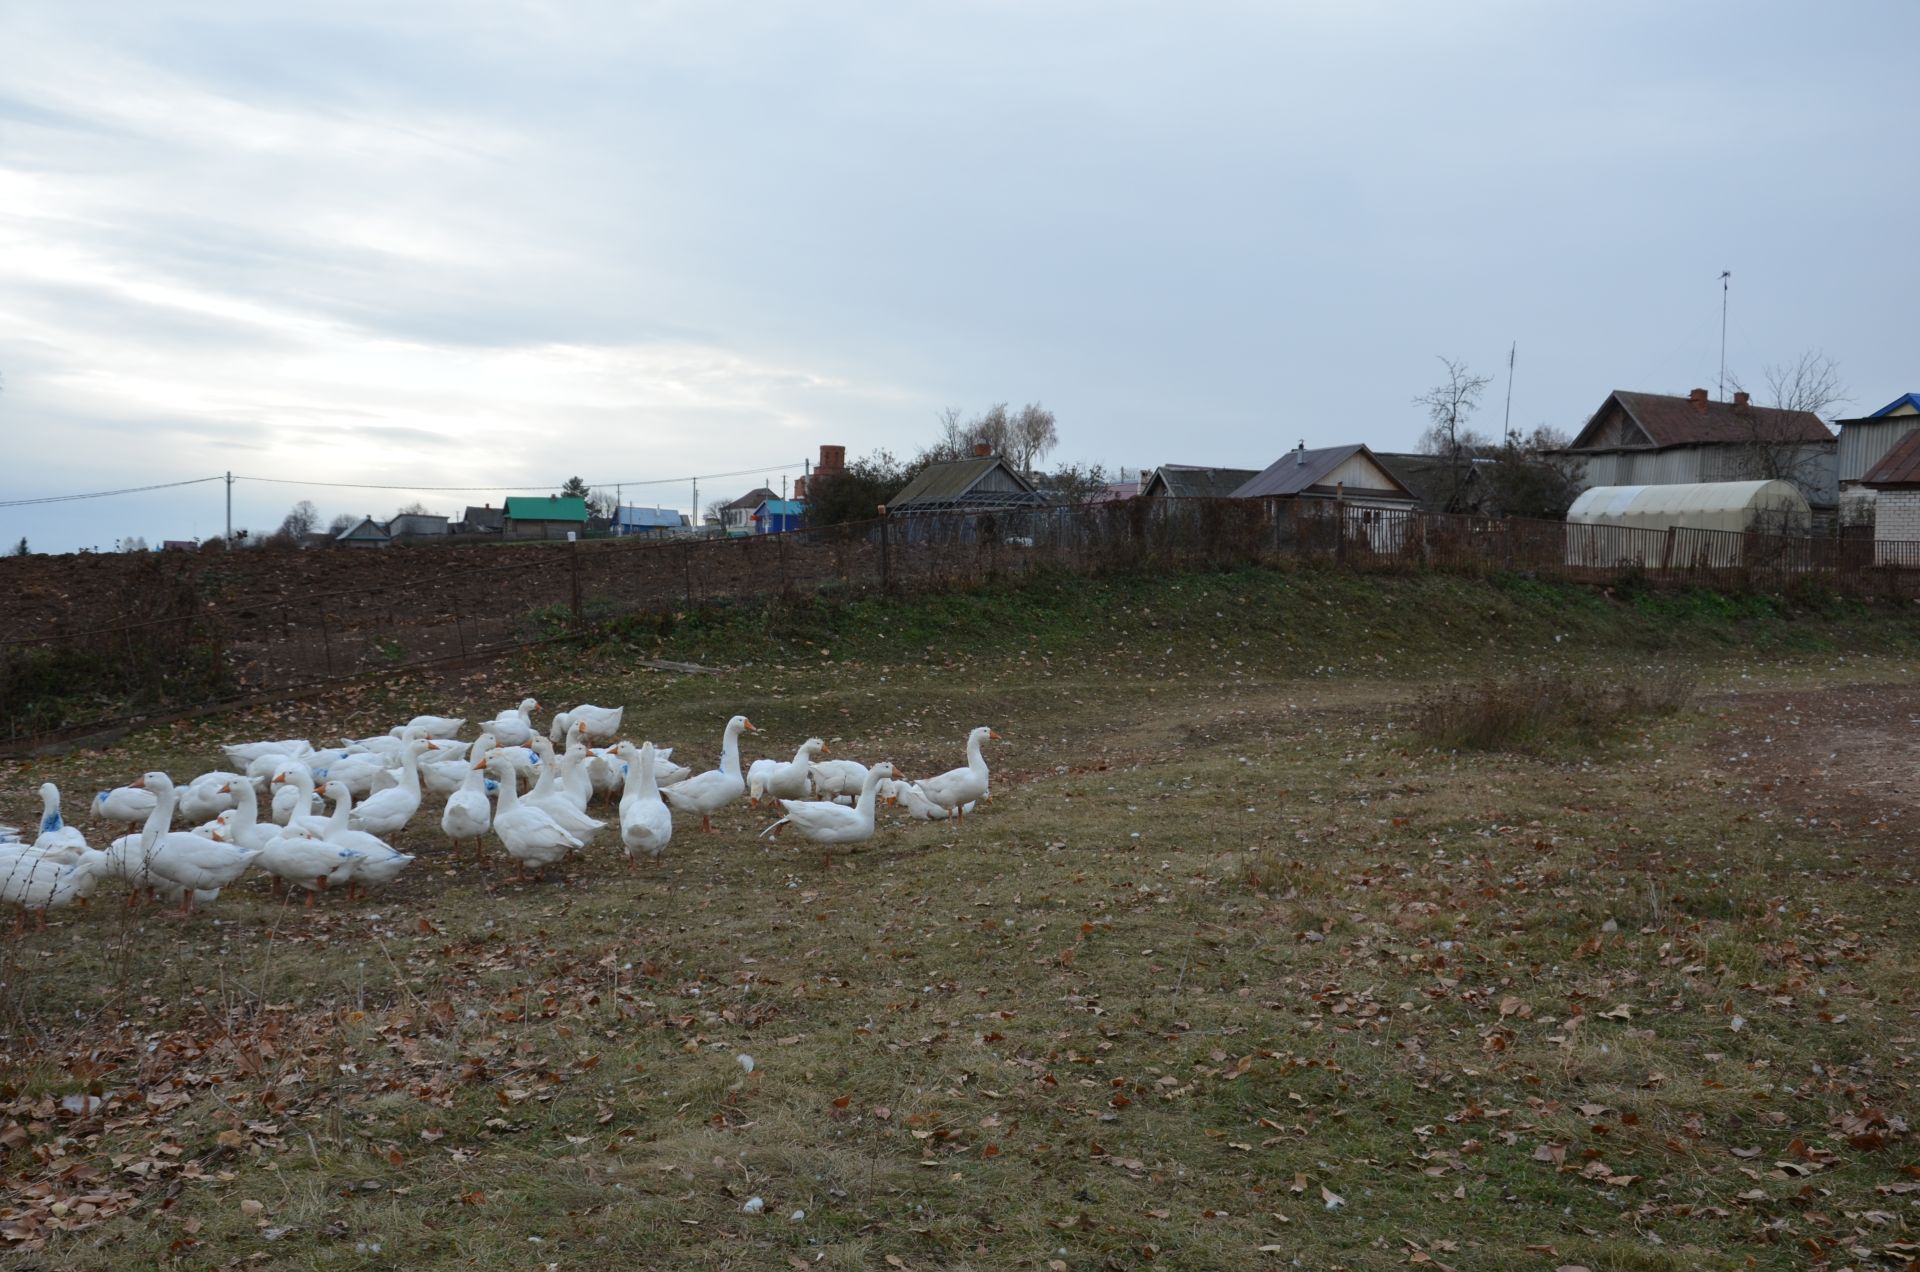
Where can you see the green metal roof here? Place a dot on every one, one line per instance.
(546, 508)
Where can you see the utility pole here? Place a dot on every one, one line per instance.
(698, 524)
(1506, 425)
(1725, 275)
(229, 508)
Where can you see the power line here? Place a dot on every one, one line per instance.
(360, 485)
(103, 494)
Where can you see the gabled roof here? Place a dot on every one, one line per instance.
(1669, 420)
(952, 485)
(488, 518)
(1899, 466)
(634, 518)
(1301, 471)
(365, 528)
(751, 500)
(780, 507)
(1905, 404)
(546, 508)
(1193, 481)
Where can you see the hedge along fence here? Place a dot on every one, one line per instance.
(439, 607)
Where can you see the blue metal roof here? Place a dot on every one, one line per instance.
(781, 507)
(648, 518)
(1905, 399)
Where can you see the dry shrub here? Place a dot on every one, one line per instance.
(1548, 711)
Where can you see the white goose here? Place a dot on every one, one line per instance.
(826, 823)
(192, 863)
(378, 862)
(955, 789)
(556, 802)
(294, 803)
(313, 864)
(513, 727)
(56, 838)
(37, 882)
(603, 723)
(918, 806)
(646, 824)
(529, 835)
(129, 805)
(707, 793)
(245, 753)
(791, 779)
(433, 726)
(467, 814)
(838, 780)
(208, 795)
(241, 824)
(387, 812)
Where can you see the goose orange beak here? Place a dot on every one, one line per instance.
(994, 735)
(226, 788)
(750, 727)
(140, 782)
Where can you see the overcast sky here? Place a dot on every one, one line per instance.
(470, 243)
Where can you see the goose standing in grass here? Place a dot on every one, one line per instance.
(245, 753)
(378, 862)
(56, 837)
(840, 781)
(707, 793)
(468, 815)
(313, 864)
(433, 726)
(294, 803)
(128, 805)
(788, 779)
(556, 802)
(388, 812)
(37, 882)
(241, 824)
(909, 796)
(603, 723)
(956, 789)
(646, 823)
(192, 863)
(570, 773)
(827, 823)
(514, 726)
(207, 796)
(529, 835)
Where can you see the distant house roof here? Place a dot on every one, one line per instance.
(631, 518)
(1899, 466)
(751, 500)
(1433, 478)
(546, 508)
(1194, 481)
(1115, 491)
(780, 507)
(1664, 420)
(365, 530)
(1306, 472)
(1905, 404)
(985, 481)
(488, 518)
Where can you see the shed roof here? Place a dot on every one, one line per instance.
(1298, 471)
(1899, 466)
(1669, 420)
(951, 485)
(752, 499)
(1195, 481)
(636, 518)
(1905, 404)
(547, 508)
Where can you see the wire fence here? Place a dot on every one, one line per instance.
(209, 643)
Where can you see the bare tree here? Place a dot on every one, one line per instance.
(414, 509)
(300, 519)
(340, 525)
(1810, 383)
(1450, 404)
(602, 504)
(1775, 446)
(1075, 483)
(717, 510)
(1024, 438)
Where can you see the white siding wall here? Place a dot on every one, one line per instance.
(1359, 473)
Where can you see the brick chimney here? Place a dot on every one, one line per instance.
(1742, 400)
(833, 459)
(1699, 399)
(1300, 454)
(981, 450)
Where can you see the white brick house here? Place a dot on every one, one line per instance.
(1895, 481)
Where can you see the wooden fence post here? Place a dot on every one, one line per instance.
(573, 572)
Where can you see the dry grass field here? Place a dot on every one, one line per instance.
(1241, 969)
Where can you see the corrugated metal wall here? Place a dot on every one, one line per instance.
(1865, 443)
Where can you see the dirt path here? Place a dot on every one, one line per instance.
(1847, 753)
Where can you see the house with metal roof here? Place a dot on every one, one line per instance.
(736, 518)
(1659, 439)
(1194, 481)
(1895, 483)
(366, 533)
(1864, 442)
(409, 526)
(978, 483)
(1350, 473)
(658, 523)
(545, 516)
(777, 516)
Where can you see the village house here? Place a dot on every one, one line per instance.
(736, 518)
(985, 481)
(545, 516)
(1864, 442)
(652, 523)
(1194, 481)
(365, 533)
(407, 527)
(777, 516)
(1351, 474)
(485, 519)
(1895, 482)
(1658, 439)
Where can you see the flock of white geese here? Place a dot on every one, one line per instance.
(319, 818)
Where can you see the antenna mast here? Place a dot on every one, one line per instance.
(1725, 274)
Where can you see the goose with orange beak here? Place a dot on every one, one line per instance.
(707, 793)
(957, 788)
